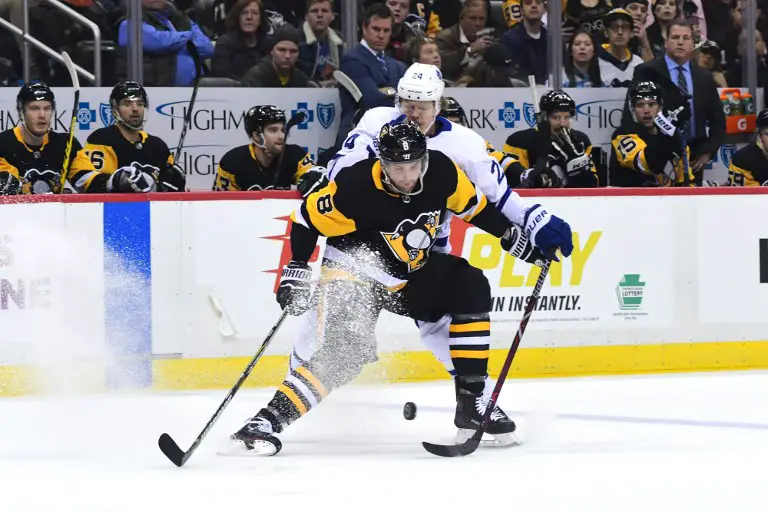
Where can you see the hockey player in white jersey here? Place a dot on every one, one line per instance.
(418, 99)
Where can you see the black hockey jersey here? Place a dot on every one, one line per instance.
(641, 159)
(109, 151)
(240, 170)
(525, 145)
(16, 158)
(749, 167)
(377, 235)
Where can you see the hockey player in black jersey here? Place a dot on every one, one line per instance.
(254, 166)
(32, 154)
(749, 165)
(645, 151)
(381, 217)
(554, 154)
(134, 160)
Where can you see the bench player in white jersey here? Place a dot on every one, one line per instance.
(418, 99)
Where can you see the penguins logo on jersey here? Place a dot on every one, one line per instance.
(411, 240)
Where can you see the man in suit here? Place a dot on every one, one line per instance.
(375, 74)
(678, 75)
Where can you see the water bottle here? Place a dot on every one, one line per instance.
(726, 104)
(736, 106)
(748, 104)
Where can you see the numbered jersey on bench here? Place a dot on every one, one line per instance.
(109, 150)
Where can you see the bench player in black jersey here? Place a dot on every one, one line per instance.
(32, 154)
(381, 217)
(134, 160)
(749, 165)
(254, 166)
(556, 155)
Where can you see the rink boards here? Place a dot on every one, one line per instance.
(177, 292)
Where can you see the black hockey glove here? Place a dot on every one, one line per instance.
(9, 184)
(518, 245)
(295, 291)
(571, 152)
(41, 182)
(171, 179)
(133, 178)
(312, 180)
(541, 176)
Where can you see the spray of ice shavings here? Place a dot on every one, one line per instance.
(52, 305)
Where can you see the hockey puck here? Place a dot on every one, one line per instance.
(409, 410)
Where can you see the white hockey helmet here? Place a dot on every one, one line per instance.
(421, 82)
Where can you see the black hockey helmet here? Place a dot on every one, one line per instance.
(645, 90)
(557, 101)
(710, 48)
(762, 119)
(261, 115)
(402, 142)
(128, 90)
(451, 109)
(34, 92)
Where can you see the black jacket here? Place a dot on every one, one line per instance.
(264, 75)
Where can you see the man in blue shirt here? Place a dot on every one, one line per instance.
(165, 33)
(678, 76)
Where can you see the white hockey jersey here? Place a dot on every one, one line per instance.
(460, 144)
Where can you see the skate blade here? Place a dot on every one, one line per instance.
(258, 449)
(496, 441)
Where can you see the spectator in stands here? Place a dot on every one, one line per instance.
(244, 44)
(617, 63)
(706, 128)
(708, 57)
(463, 44)
(720, 24)
(527, 41)
(321, 48)
(495, 69)
(7, 74)
(638, 44)
(279, 69)
(425, 51)
(587, 15)
(165, 33)
(690, 13)
(665, 12)
(400, 33)
(446, 13)
(580, 65)
(734, 74)
(375, 73)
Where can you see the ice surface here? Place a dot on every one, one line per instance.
(686, 442)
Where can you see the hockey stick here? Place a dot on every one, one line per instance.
(532, 85)
(471, 444)
(349, 85)
(166, 443)
(297, 118)
(192, 49)
(71, 136)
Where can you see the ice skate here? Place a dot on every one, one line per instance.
(257, 437)
(470, 409)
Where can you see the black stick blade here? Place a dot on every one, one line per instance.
(171, 450)
(455, 450)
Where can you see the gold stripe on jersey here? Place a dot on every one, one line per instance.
(225, 181)
(6, 167)
(458, 353)
(20, 137)
(466, 201)
(469, 345)
(520, 154)
(321, 213)
(81, 172)
(738, 177)
(103, 158)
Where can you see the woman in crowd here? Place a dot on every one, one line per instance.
(664, 13)
(708, 57)
(580, 65)
(244, 44)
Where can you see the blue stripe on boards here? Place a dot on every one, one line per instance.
(128, 294)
